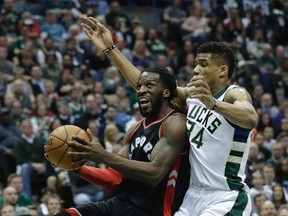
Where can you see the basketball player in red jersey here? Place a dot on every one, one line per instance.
(151, 171)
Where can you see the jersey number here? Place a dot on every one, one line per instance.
(197, 139)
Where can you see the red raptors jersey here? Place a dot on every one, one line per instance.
(166, 197)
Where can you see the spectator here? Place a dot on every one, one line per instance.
(268, 209)
(21, 211)
(32, 210)
(48, 48)
(186, 72)
(283, 211)
(195, 26)
(141, 56)
(254, 158)
(9, 135)
(174, 16)
(154, 44)
(63, 113)
(65, 83)
(75, 105)
(6, 66)
(283, 139)
(29, 153)
(257, 94)
(257, 23)
(7, 210)
(76, 53)
(277, 120)
(277, 156)
(283, 173)
(110, 136)
(259, 141)
(9, 196)
(16, 181)
(54, 204)
(97, 62)
(258, 186)
(135, 117)
(268, 106)
(51, 96)
(111, 80)
(269, 176)
(256, 45)
(188, 48)
(268, 133)
(33, 28)
(278, 197)
(17, 113)
(258, 201)
(280, 55)
(172, 57)
(50, 27)
(40, 121)
(42, 207)
(9, 19)
(51, 69)
(284, 125)
(92, 112)
(116, 18)
(37, 82)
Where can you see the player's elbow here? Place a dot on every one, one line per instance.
(253, 120)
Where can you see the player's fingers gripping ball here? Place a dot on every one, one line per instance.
(57, 146)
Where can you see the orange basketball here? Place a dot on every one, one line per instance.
(57, 146)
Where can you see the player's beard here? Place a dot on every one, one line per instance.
(155, 106)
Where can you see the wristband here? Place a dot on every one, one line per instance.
(214, 107)
(109, 49)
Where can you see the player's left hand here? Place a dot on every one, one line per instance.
(86, 150)
(199, 88)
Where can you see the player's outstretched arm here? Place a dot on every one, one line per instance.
(163, 155)
(101, 37)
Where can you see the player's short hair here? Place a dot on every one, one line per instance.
(166, 77)
(220, 50)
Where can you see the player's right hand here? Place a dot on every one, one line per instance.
(100, 36)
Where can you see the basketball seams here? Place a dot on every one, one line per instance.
(56, 151)
(72, 158)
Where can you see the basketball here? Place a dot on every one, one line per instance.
(57, 146)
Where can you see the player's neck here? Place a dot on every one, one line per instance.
(218, 88)
(157, 116)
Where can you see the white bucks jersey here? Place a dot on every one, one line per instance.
(218, 149)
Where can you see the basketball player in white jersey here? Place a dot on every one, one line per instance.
(220, 119)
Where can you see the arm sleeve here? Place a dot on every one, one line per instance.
(108, 178)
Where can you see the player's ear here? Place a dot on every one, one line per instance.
(223, 71)
(166, 93)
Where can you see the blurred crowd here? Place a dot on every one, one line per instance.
(52, 75)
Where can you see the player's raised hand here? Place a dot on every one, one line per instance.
(100, 36)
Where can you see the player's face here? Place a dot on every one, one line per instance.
(208, 67)
(149, 92)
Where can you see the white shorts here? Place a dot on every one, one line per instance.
(203, 202)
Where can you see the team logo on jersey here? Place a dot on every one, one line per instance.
(205, 117)
(141, 142)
